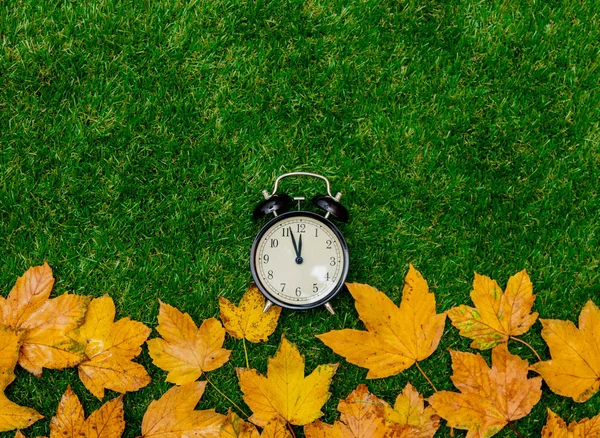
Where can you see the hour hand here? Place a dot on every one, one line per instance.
(298, 257)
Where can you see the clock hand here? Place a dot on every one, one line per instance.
(300, 246)
(298, 258)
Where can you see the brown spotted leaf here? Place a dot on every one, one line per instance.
(556, 428)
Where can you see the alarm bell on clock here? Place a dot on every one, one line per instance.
(299, 259)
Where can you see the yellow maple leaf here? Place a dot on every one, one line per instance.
(574, 370)
(173, 415)
(235, 427)
(186, 351)
(70, 422)
(247, 321)
(45, 322)
(365, 415)
(396, 337)
(110, 348)
(285, 391)
(556, 428)
(489, 398)
(497, 316)
(12, 416)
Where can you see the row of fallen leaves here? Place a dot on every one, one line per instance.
(70, 330)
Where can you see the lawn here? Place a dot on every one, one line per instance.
(136, 138)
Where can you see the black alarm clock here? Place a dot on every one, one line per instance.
(299, 259)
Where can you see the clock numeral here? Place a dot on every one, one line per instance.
(315, 288)
(282, 286)
(327, 277)
(266, 258)
(301, 228)
(316, 232)
(285, 232)
(298, 291)
(270, 275)
(331, 261)
(274, 243)
(329, 242)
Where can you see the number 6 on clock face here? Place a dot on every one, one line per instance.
(299, 260)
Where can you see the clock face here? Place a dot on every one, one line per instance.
(299, 260)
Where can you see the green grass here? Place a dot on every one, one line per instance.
(136, 138)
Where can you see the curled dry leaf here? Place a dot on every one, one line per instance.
(396, 337)
(235, 427)
(285, 391)
(174, 415)
(110, 348)
(364, 415)
(247, 321)
(186, 351)
(489, 398)
(574, 370)
(12, 416)
(556, 428)
(45, 322)
(70, 422)
(496, 316)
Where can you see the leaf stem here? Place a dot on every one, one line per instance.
(227, 398)
(530, 347)
(515, 430)
(290, 428)
(426, 378)
(246, 353)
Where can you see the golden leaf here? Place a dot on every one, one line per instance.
(19, 434)
(248, 320)
(488, 398)
(110, 348)
(574, 370)
(364, 415)
(174, 415)
(45, 322)
(396, 337)
(12, 416)
(186, 351)
(285, 391)
(235, 427)
(496, 316)
(556, 428)
(70, 422)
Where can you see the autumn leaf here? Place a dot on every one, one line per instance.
(12, 416)
(247, 321)
(110, 348)
(186, 351)
(45, 322)
(235, 427)
(174, 415)
(19, 434)
(285, 391)
(574, 370)
(396, 337)
(497, 316)
(556, 428)
(364, 415)
(489, 398)
(70, 422)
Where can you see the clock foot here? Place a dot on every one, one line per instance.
(267, 306)
(329, 308)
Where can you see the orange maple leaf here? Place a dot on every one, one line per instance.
(110, 348)
(45, 322)
(574, 370)
(12, 416)
(247, 321)
(235, 427)
(556, 428)
(285, 391)
(364, 415)
(497, 316)
(173, 415)
(186, 351)
(70, 422)
(489, 398)
(396, 337)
